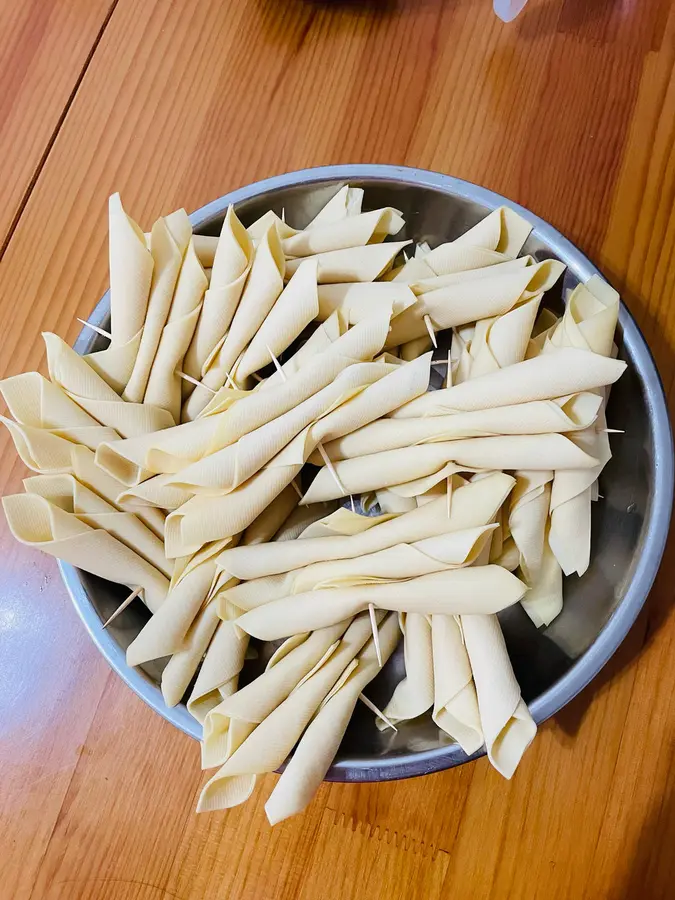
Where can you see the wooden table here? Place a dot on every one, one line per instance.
(569, 111)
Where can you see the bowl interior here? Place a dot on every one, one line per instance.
(545, 662)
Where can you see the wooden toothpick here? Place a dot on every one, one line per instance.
(430, 329)
(376, 634)
(331, 469)
(123, 605)
(378, 712)
(296, 488)
(324, 455)
(183, 375)
(277, 364)
(230, 380)
(195, 382)
(101, 331)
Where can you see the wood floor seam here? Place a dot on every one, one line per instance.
(59, 124)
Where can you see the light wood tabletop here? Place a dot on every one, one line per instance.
(569, 111)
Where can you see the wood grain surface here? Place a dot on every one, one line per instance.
(571, 111)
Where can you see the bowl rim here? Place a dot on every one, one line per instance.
(589, 664)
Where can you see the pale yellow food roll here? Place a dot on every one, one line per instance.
(320, 742)
(46, 453)
(472, 505)
(270, 743)
(164, 386)
(133, 460)
(507, 724)
(72, 373)
(497, 238)
(35, 401)
(131, 268)
(180, 669)
(168, 243)
(230, 723)
(37, 523)
(70, 495)
(589, 323)
(226, 469)
(544, 600)
(455, 708)
(457, 304)
(505, 341)
(564, 415)
(296, 307)
(345, 202)
(351, 231)
(397, 467)
(414, 694)
(263, 286)
(401, 561)
(479, 589)
(566, 371)
(231, 264)
(528, 515)
(354, 264)
(208, 518)
(424, 285)
(359, 300)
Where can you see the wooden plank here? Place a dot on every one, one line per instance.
(46, 45)
(135, 859)
(569, 110)
(52, 679)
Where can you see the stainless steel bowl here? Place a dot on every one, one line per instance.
(630, 524)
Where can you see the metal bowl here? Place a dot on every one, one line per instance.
(630, 524)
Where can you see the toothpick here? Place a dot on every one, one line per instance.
(331, 469)
(101, 331)
(122, 606)
(449, 493)
(376, 634)
(277, 364)
(324, 455)
(297, 489)
(195, 382)
(106, 334)
(230, 381)
(430, 329)
(351, 500)
(257, 377)
(378, 712)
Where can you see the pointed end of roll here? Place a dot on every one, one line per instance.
(115, 204)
